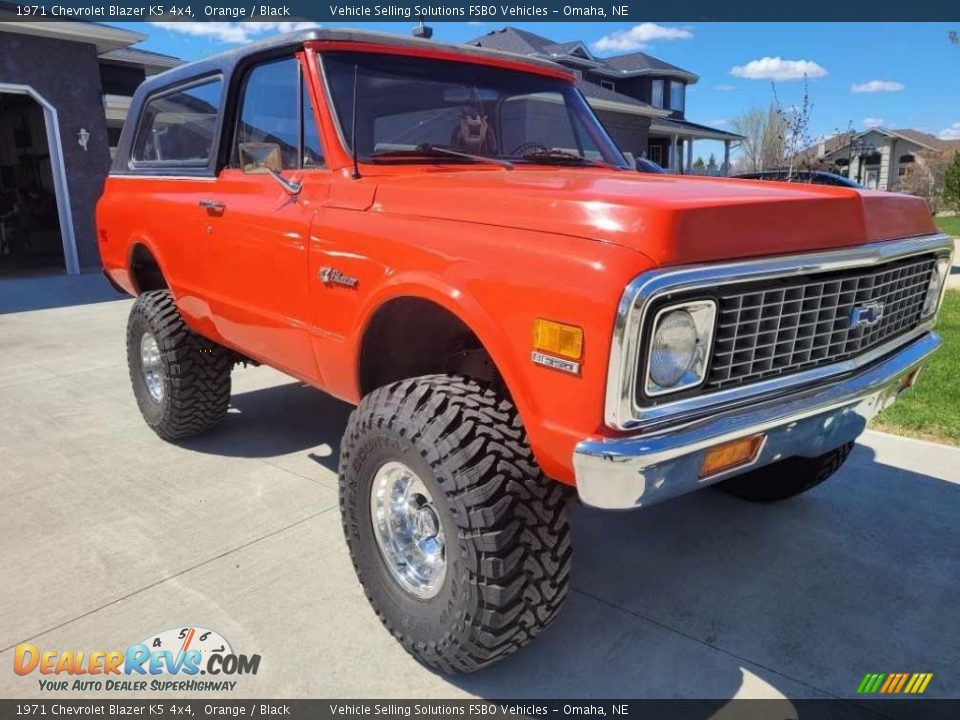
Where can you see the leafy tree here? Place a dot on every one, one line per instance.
(712, 163)
(698, 164)
(926, 176)
(951, 184)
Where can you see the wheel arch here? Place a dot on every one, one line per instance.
(455, 306)
(145, 268)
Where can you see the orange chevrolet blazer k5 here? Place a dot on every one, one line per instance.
(447, 238)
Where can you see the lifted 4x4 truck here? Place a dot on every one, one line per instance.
(448, 238)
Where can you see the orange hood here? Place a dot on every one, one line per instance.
(671, 219)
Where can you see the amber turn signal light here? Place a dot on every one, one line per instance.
(557, 339)
(731, 455)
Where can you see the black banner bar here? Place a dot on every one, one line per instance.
(502, 12)
(914, 709)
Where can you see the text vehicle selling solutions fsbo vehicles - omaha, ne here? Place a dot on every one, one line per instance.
(446, 237)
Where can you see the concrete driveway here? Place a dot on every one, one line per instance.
(108, 534)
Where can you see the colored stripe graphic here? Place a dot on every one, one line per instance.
(894, 683)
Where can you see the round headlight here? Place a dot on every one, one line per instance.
(674, 348)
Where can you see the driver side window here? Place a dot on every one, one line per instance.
(276, 108)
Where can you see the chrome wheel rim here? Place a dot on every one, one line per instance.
(151, 366)
(408, 530)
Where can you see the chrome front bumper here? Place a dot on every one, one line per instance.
(637, 471)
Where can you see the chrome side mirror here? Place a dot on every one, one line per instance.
(265, 158)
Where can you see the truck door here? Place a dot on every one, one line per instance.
(257, 230)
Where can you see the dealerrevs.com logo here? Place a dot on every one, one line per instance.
(171, 660)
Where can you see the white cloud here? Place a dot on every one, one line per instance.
(233, 32)
(951, 133)
(639, 36)
(724, 88)
(872, 122)
(876, 86)
(776, 68)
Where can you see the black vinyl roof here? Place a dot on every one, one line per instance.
(226, 61)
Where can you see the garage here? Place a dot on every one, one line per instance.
(30, 236)
(64, 92)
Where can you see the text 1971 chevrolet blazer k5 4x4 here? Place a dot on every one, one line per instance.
(447, 237)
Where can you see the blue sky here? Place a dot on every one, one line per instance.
(907, 74)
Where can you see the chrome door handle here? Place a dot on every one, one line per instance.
(212, 205)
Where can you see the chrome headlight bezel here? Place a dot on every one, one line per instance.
(703, 313)
(937, 286)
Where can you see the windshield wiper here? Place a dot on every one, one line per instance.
(435, 151)
(548, 156)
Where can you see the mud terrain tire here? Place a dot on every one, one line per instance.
(506, 539)
(180, 379)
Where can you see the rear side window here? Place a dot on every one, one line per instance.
(179, 128)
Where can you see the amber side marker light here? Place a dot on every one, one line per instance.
(731, 455)
(558, 339)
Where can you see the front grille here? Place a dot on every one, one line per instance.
(785, 326)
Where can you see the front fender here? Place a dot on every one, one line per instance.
(497, 282)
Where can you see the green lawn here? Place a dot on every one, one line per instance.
(931, 410)
(950, 225)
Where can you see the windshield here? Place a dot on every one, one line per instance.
(410, 109)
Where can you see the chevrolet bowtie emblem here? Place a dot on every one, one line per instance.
(866, 315)
(329, 276)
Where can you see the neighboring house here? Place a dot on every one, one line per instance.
(876, 158)
(65, 88)
(641, 100)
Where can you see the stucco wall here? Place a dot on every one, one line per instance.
(67, 75)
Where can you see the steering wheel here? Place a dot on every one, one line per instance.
(526, 147)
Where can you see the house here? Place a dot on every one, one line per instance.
(877, 158)
(65, 88)
(640, 100)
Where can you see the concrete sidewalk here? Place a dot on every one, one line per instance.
(108, 535)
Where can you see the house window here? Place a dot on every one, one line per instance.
(676, 95)
(906, 158)
(654, 152)
(656, 93)
(608, 84)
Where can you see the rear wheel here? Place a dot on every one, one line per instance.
(461, 544)
(180, 379)
(787, 478)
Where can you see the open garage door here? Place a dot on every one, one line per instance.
(36, 232)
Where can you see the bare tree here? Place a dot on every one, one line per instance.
(762, 145)
(794, 124)
(954, 37)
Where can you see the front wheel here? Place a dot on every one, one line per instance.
(461, 544)
(786, 478)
